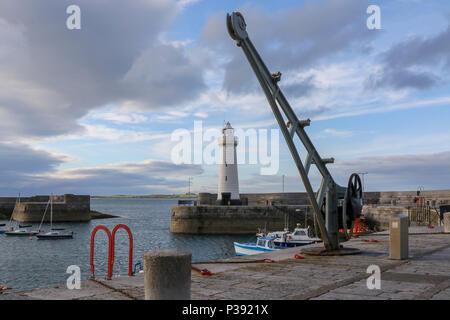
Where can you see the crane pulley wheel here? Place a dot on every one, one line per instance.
(354, 198)
(236, 26)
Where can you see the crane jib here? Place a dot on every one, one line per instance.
(329, 214)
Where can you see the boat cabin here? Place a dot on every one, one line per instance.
(265, 242)
(300, 232)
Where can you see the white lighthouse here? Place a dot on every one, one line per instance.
(228, 192)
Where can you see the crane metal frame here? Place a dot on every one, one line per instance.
(329, 191)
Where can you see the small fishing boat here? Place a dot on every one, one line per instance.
(54, 233)
(299, 237)
(263, 244)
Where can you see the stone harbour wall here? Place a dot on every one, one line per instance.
(6, 207)
(7, 204)
(68, 208)
(432, 198)
(236, 219)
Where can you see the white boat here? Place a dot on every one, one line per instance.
(21, 232)
(263, 244)
(299, 237)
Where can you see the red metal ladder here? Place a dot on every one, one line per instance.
(111, 249)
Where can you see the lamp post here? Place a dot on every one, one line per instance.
(189, 184)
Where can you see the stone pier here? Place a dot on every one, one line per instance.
(237, 219)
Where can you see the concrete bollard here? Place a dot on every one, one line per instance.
(398, 237)
(167, 275)
(447, 222)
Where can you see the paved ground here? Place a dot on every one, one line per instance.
(426, 275)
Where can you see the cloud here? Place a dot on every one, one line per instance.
(289, 39)
(119, 117)
(398, 172)
(299, 88)
(22, 159)
(123, 178)
(31, 171)
(338, 133)
(164, 76)
(401, 79)
(52, 76)
(185, 3)
(385, 173)
(414, 63)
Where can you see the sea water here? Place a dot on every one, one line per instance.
(28, 264)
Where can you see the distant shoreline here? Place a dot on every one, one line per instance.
(151, 196)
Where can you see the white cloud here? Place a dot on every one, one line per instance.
(202, 115)
(119, 118)
(185, 3)
(338, 133)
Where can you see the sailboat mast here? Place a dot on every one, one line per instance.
(51, 212)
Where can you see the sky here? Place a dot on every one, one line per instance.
(93, 110)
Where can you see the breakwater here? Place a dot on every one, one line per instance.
(66, 208)
(237, 219)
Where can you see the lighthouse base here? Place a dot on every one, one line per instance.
(229, 202)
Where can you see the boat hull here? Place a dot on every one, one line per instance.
(54, 237)
(242, 249)
(21, 234)
(294, 243)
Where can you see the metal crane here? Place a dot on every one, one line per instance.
(335, 207)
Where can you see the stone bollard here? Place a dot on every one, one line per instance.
(167, 275)
(398, 237)
(447, 222)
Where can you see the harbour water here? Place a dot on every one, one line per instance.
(27, 264)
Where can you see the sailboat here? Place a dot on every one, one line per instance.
(3, 228)
(54, 233)
(10, 231)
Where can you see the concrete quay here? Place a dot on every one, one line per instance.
(424, 276)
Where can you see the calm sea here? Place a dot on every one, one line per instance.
(27, 264)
